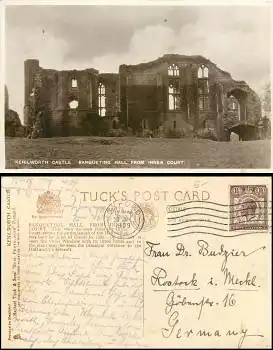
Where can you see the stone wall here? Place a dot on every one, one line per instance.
(138, 95)
(144, 96)
(53, 94)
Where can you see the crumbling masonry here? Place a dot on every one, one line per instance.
(174, 93)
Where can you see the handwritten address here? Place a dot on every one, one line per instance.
(192, 292)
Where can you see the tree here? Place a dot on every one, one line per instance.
(13, 126)
(266, 100)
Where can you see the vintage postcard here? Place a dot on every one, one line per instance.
(110, 262)
(119, 85)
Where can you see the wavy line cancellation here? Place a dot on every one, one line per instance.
(208, 221)
(230, 209)
(203, 226)
(216, 234)
(204, 214)
(212, 209)
(210, 215)
(222, 205)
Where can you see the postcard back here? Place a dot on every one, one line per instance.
(136, 262)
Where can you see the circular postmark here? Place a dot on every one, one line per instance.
(151, 216)
(123, 219)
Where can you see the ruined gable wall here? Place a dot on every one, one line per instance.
(148, 90)
(54, 92)
(150, 81)
(67, 120)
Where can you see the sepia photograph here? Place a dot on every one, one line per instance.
(148, 87)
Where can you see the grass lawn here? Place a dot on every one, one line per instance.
(187, 153)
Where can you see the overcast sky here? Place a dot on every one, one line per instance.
(68, 37)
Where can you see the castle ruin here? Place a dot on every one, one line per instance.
(174, 93)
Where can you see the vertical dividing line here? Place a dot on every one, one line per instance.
(143, 286)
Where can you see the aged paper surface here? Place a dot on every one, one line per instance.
(136, 262)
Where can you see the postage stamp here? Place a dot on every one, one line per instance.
(123, 219)
(248, 207)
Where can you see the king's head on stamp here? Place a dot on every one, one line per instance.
(248, 209)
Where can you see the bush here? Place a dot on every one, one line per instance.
(148, 133)
(207, 134)
(175, 134)
(129, 131)
(115, 133)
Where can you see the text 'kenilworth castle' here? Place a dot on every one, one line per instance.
(172, 94)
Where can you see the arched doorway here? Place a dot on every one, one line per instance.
(245, 132)
(233, 108)
(236, 105)
(241, 112)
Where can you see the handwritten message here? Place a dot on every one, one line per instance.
(71, 301)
